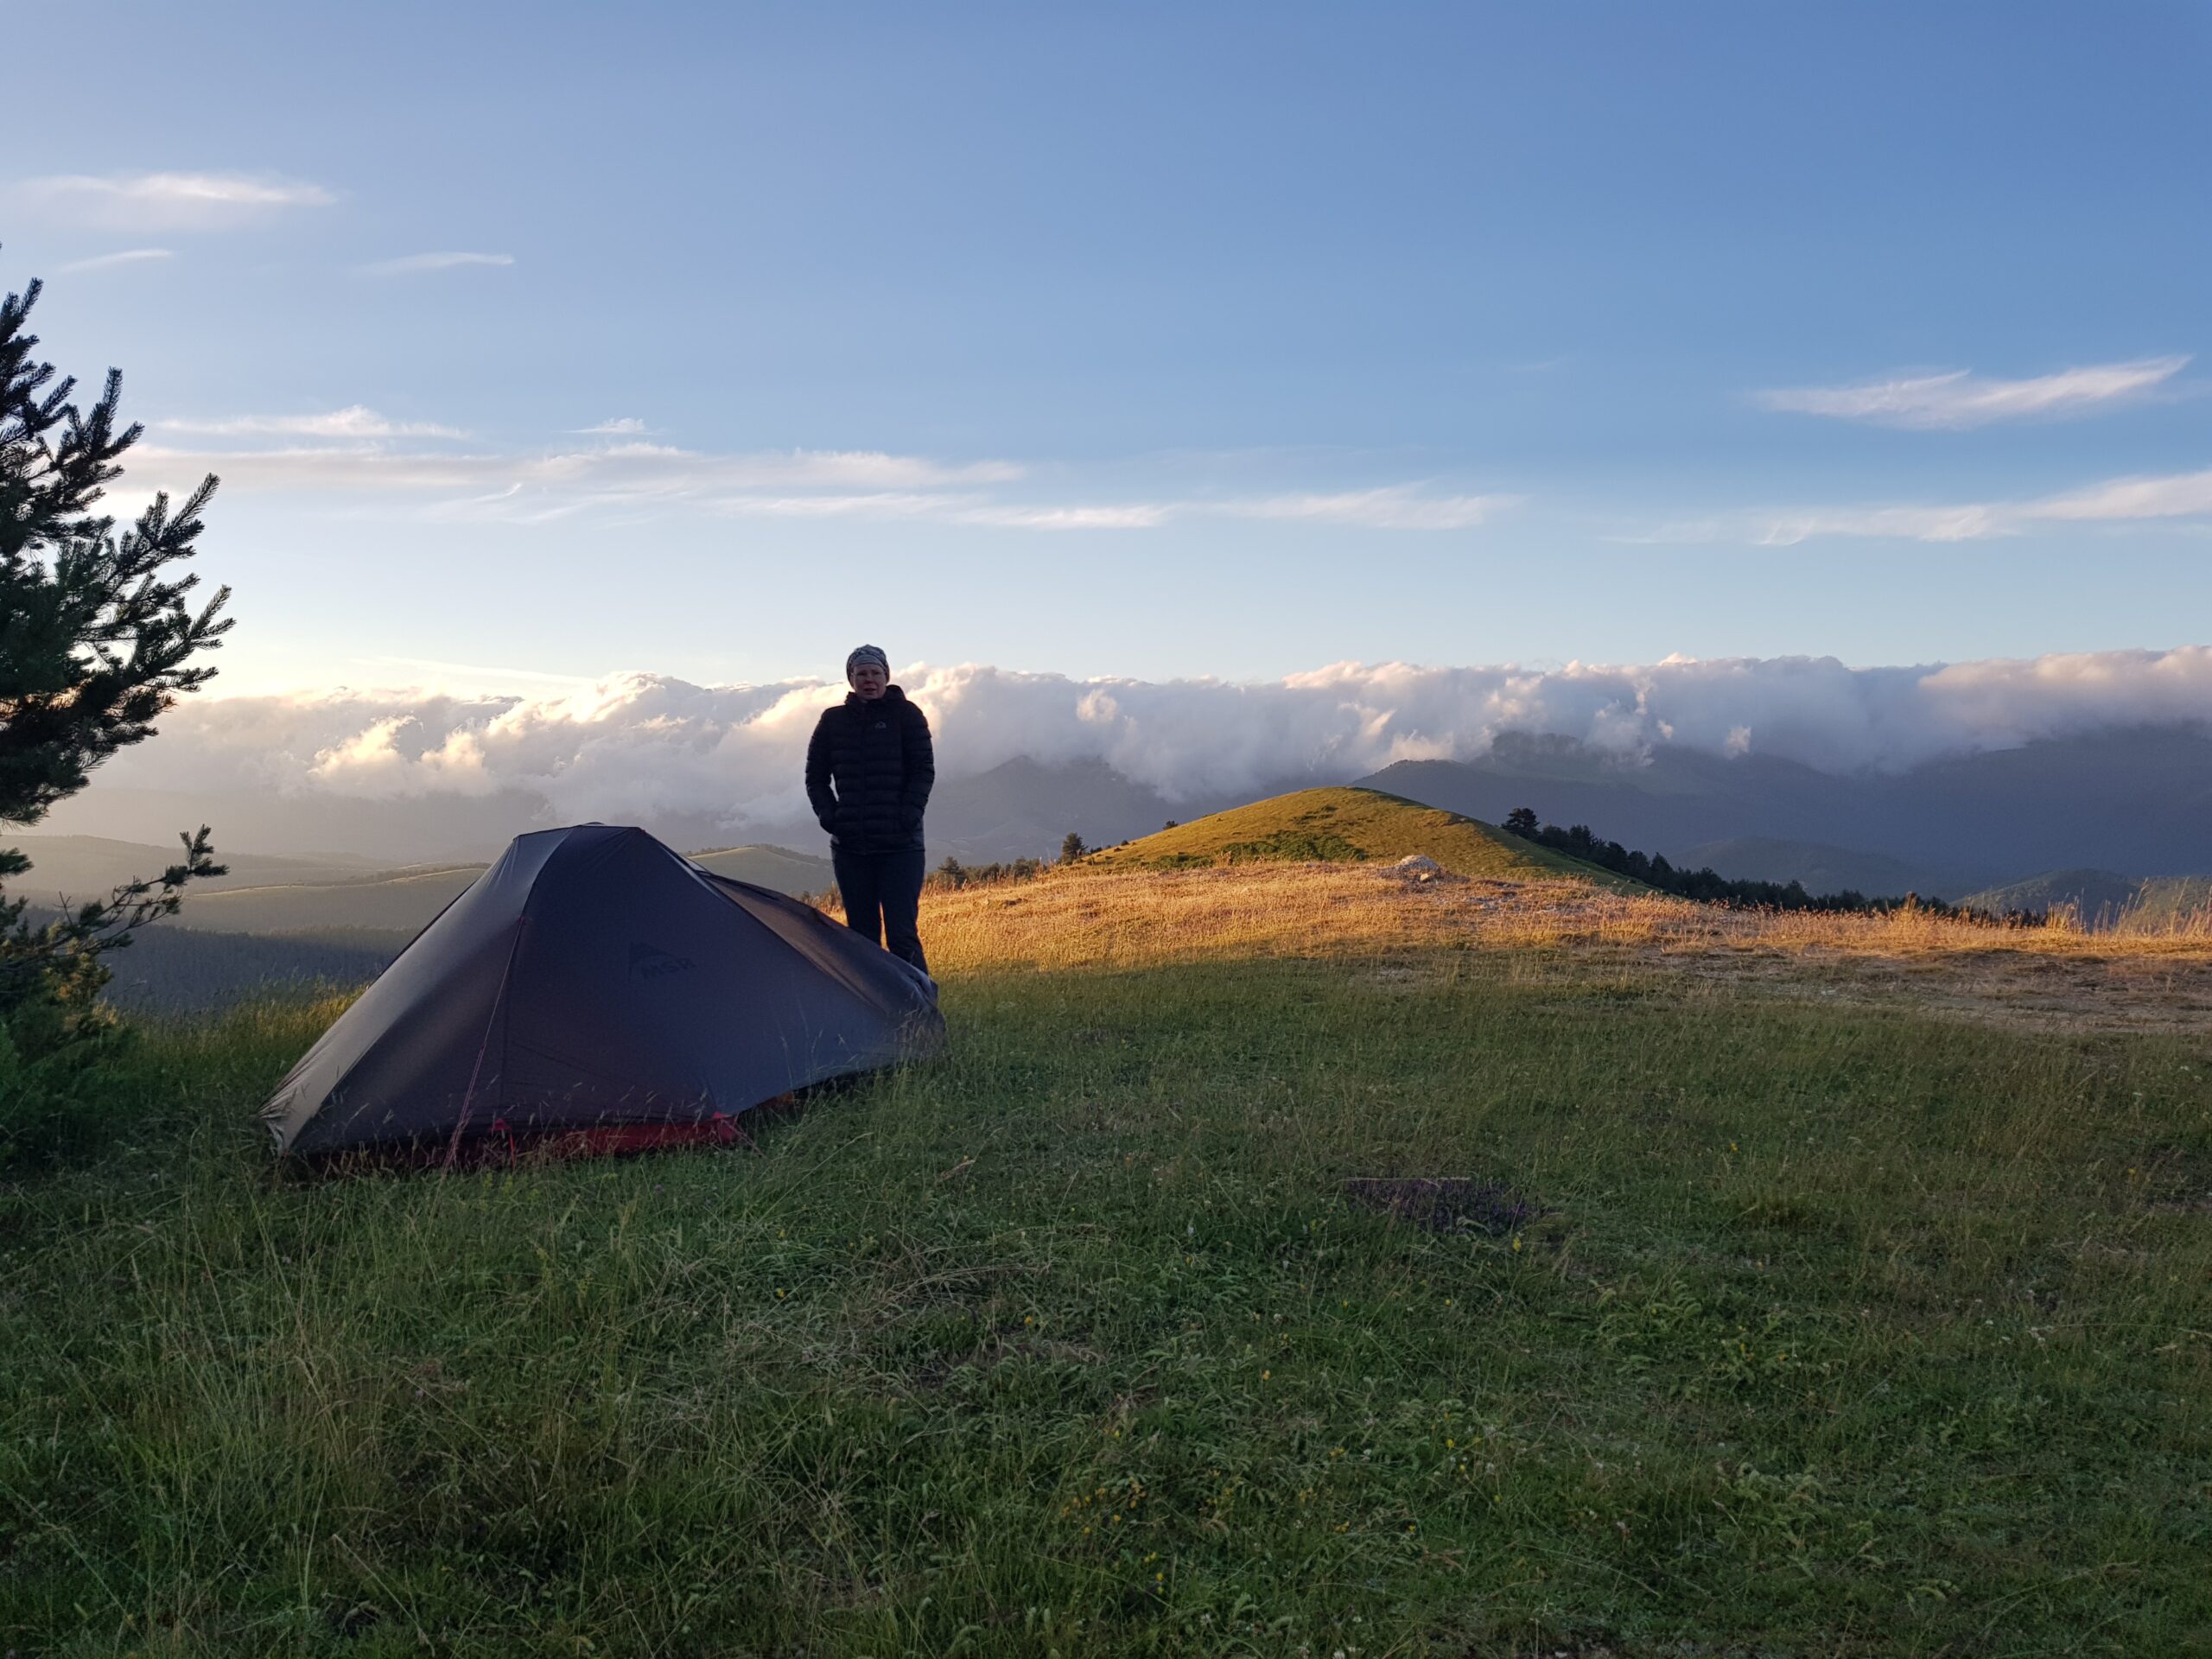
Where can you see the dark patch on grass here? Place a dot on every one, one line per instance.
(1445, 1203)
(1295, 846)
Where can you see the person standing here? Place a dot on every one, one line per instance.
(869, 768)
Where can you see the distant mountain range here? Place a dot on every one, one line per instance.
(1960, 829)
(1823, 868)
(287, 896)
(2137, 800)
(404, 900)
(1021, 808)
(87, 866)
(275, 923)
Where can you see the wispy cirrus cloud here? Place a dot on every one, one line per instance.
(630, 471)
(1398, 507)
(2176, 495)
(354, 422)
(347, 453)
(1972, 522)
(2170, 496)
(415, 263)
(1129, 515)
(1959, 399)
(169, 201)
(109, 261)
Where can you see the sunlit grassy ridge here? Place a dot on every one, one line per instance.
(1834, 1323)
(1348, 825)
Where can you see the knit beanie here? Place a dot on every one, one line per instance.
(867, 654)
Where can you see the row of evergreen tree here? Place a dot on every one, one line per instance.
(1709, 886)
(953, 874)
(101, 630)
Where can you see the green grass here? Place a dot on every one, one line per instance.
(1839, 1333)
(1347, 825)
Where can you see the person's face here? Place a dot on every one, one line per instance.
(870, 680)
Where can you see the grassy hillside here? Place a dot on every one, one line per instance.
(390, 900)
(1775, 1311)
(1349, 825)
(2104, 899)
(405, 900)
(2168, 901)
(770, 867)
(175, 970)
(86, 866)
(2093, 892)
(243, 941)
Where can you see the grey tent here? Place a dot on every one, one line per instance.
(593, 983)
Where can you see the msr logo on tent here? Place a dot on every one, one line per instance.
(651, 961)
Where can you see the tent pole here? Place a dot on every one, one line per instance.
(498, 997)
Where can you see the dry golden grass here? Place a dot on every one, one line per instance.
(1083, 918)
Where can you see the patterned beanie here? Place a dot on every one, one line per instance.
(867, 654)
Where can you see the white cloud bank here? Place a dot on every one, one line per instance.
(1961, 399)
(169, 201)
(646, 744)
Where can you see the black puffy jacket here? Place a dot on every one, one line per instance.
(869, 766)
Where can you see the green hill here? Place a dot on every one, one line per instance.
(1351, 825)
(173, 970)
(87, 866)
(404, 900)
(391, 901)
(2094, 893)
(769, 867)
(2163, 900)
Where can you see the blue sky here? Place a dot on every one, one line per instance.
(1146, 340)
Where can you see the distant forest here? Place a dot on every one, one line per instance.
(1708, 887)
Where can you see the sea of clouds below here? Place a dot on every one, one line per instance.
(646, 744)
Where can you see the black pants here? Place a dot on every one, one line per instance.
(882, 893)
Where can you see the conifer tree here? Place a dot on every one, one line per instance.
(97, 637)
